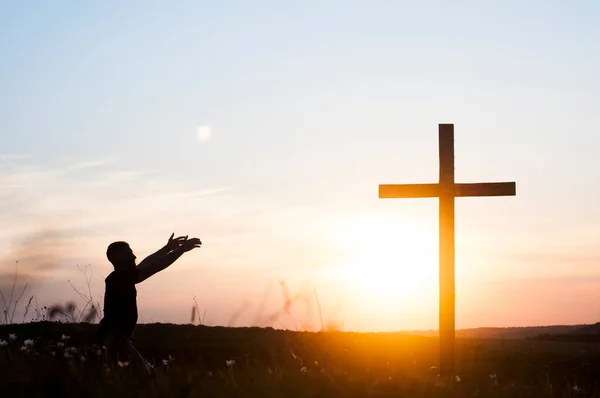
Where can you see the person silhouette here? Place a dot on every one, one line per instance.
(120, 299)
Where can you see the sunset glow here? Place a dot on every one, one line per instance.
(267, 131)
(390, 262)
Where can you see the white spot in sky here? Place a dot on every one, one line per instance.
(203, 133)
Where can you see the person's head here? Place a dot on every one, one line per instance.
(120, 255)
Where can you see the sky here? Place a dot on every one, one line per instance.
(264, 128)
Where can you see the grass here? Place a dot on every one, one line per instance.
(274, 363)
(37, 361)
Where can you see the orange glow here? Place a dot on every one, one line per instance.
(388, 261)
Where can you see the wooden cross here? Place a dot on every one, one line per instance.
(446, 190)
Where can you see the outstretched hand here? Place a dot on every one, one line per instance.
(173, 244)
(190, 244)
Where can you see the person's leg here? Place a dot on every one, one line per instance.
(113, 344)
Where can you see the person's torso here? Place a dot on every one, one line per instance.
(120, 298)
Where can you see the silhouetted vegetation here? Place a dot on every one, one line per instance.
(190, 360)
(57, 353)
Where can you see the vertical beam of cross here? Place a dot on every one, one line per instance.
(446, 190)
(446, 232)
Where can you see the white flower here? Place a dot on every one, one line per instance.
(68, 355)
(83, 359)
(60, 344)
(303, 369)
(99, 352)
(230, 362)
(65, 338)
(72, 350)
(29, 343)
(165, 362)
(24, 348)
(123, 364)
(3, 343)
(53, 353)
(458, 379)
(12, 336)
(316, 363)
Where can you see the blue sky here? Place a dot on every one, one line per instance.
(309, 107)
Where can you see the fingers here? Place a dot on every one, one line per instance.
(191, 244)
(188, 243)
(178, 239)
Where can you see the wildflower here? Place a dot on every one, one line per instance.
(83, 359)
(458, 379)
(209, 374)
(230, 362)
(123, 364)
(29, 343)
(99, 352)
(60, 344)
(72, 350)
(24, 348)
(12, 336)
(65, 338)
(316, 363)
(494, 378)
(167, 361)
(53, 353)
(3, 343)
(269, 371)
(149, 365)
(68, 355)
(303, 370)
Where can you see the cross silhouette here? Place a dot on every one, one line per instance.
(446, 190)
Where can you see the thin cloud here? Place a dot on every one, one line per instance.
(13, 156)
(55, 220)
(203, 133)
(206, 192)
(88, 164)
(579, 255)
(562, 280)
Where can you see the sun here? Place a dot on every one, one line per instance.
(388, 260)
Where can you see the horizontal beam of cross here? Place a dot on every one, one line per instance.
(390, 191)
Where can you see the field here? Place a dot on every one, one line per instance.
(200, 361)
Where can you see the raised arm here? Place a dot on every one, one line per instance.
(172, 244)
(147, 268)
